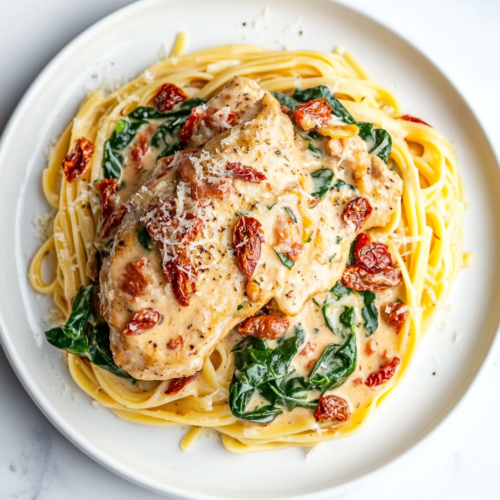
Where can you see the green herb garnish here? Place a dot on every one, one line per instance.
(289, 211)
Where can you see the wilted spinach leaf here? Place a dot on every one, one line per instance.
(266, 372)
(378, 140)
(290, 213)
(290, 393)
(334, 366)
(339, 290)
(145, 239)
(369, 312)
(351, 259)
(346, 320)
(340, 184)
(286, 100)
(257, 367)
(184, 108)
(285, 260)
(112, 160)
(314, 150)
(166, 137)
(70, 336)
(322, 180)
(85, 335)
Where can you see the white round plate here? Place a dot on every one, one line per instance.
(120, 47)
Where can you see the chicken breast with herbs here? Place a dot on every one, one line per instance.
(230, 223)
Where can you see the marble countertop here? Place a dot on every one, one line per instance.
(457, 461)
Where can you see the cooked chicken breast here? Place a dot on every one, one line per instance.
(232, 225)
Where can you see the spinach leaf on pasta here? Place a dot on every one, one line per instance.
(86, 335)
(166, 137)
(369, 312)
(122, 136)
(378, 140)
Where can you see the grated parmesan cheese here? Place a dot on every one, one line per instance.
(54, 317)
(43, 225)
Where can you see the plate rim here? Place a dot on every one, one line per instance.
(101, 457)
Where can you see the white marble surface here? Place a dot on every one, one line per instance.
(459, 460)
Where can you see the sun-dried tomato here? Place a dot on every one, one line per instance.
(162, 221)
(140, 150)
(362, 241)
(113, 221)
(357, 211)
(181, 274)
(187, 130)
(75, 162)
(168, 96)
(395, 314)
(248, 238)
(384, 374)
(245, 173)
(214, 121)
(413, 119)
(374, 256)
(161, 217)
(374, 269)
(202, 189)
(135, 279)
(218, 120)
(177, 384)
(107, 188)
(287, 111)
(264, 327)
(332, 408)
(142, 321)
(192, 229)
(313, 114)
(308, 349)
(110, 185)
(357, 277)
(175, 343)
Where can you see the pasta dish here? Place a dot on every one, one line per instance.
(248, 241)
